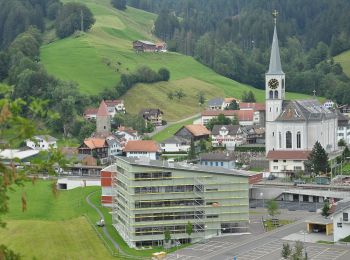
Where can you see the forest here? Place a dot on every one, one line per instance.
(234, 37)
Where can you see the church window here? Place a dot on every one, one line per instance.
(276, 94)
(273, 133)
(280, 139)
(104, 127)
(298, 140)
(271, 94)
(276, 109)
(282, 83)
(288, 139)
(270, 109)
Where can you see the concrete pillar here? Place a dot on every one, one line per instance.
(300, 198)
(311, 198)
(290, 197)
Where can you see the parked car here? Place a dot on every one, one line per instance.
(271, 177)
(296, 182)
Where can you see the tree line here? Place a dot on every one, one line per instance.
(234, 38)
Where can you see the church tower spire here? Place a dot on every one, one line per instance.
(274, 79)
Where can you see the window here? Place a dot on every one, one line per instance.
(216, 163)
(280, 139)
(276, 94)
(271, 94)
(298, 140)
(288, 139)
(275, 160)
(222, 163)
(345, 216)
(273, 133)
(339, 225)
(275, 167)
(284, 160)
(282, 83)
(270, 109)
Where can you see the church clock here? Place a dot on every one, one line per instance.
(273, 83)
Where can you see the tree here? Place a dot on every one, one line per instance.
(220, 120)
(286, 250)
(319, 159)
(164, 74)
(325, 209)
(272, 208)
(341, 143)
(192, 151)
(73, 17)
(167, 235)
(248, 96)
(119, 4)
(179, 94)
(233, 106)
(201, 98)
(298, 251)
(189, 228)
(170, 95)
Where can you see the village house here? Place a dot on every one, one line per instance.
(90, 113)
(114, 146)
(343, 131)
(97, 147)
(115, 106)
(227, 136)
(193, 132)
(244, 117)
(42, 142)
(219, 159)
(229, 100)
(341, 221)
(152, 115)
(125, 134)
(254, 134)
(216, 104)
(258, 111)
(142, 148)
(175, 144)
(147, 46)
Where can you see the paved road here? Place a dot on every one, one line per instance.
(263, 246)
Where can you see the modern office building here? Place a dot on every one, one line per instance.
(152, 196)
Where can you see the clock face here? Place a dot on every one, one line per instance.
(273, 83)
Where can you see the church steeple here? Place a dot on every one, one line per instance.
(275, 60)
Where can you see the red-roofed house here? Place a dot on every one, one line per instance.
(115, 106)
(286, 162)
(245, 117)
(142, 148)
(258, 110)
(97, 147)
(90, 113)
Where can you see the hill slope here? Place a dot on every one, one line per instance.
(344, 60)
(95, 60)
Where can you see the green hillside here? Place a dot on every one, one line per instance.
(95, 60)
(344, 60)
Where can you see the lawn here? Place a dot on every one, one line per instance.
(344, 60)
(270, 226)
(95, 60)
(42, 239)
(51, 224)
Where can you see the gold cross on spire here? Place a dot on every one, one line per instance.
(274, 14)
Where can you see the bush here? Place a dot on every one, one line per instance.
(164, 74)
(119, 4)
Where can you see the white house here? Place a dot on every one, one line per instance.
(343, 131)
(114, 147)
(341, 221)
(227, 136)
(115, 106)
(175, 144)
(142, 148)
(329, 104)
(245, 117)
(42, 142)
(216, 104)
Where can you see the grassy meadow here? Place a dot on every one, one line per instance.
(59, 227)
(96, 59)
(344, 60)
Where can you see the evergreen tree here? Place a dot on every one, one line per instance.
(318, 159)
(119, 4)
(167, 235)
(189, 228)
(325, 209)
(164, 74)
(286, 250)
(233, 106)
(192, 151)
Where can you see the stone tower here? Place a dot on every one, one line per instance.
(103, 120)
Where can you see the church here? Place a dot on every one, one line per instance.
(293, 126)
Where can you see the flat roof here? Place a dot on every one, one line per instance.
(15, 153)
(319, 193)
(183, 166)
(320, 220)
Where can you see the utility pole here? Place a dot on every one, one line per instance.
(81, 20)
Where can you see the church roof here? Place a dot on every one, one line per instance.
(102, 110)
(275, 60)
(304, 110)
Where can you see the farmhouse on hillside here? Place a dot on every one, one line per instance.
(193, 132)
(152, 115)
